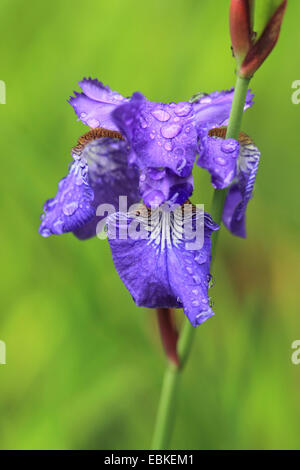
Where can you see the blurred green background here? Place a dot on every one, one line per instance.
(84, 364)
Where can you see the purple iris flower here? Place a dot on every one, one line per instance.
(146, 151)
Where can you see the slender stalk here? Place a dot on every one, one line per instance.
(166, 409)
(233, 130)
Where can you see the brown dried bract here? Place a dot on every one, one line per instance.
(94, 134)
(244, 139)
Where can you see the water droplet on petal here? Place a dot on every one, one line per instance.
(200, 258)
(45, 232)
(161, 115)
(179, 151)
(189, 269)
(221, 161)
(143, 123)
(206, 99)
(154, 199)
(229, 146)
(168, 146)
(195, 303)
(93, 123)
(83, 115)
(170, 131)
(58, 225)
(183, 109)
(70, 207)
(210, 280)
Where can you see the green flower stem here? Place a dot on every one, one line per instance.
(167, 405)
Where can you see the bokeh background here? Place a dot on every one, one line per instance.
(84, 364)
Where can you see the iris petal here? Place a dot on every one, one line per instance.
(157, 265)
(219, 157)
(160, 185)
(240, 192)
(110, 177)
(232, 164)
(72, 205)
(95, 105)
(99, 175)
(160, 135)
(213, 109)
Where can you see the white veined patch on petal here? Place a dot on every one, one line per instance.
(248, 158)
(166, 227)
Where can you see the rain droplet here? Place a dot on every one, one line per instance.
(197, 97)
(83, 115)
(143, 123)
(189, 269)
(221, 161)
(156, 173)
(183, 109)
(206, 99)
(179, 151)
(200, 258)
(58, 225)
(229, 146)
(70, 208)
(195, 303)
(154, 199)
(168, 146)
(195, 291)
(93, 123)
(170, 131)
(161, 115)
(45, 232)
(210, 280)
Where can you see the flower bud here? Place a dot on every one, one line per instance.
(240, 27)
(261, 49)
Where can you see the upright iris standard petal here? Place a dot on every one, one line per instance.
(157, 262)
(160, 135)
(96, 103)
(98, 175)
(219, 157)
(213, 109)
(240, 192)
(166, 135)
